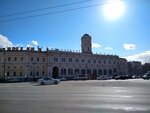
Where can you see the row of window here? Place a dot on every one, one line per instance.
(22, 67)
(68, 60)
(87, 61)
(88, 71)
(21, 59)
(21, 74)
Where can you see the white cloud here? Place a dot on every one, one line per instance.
(144, 57)
(129, 46)
(108, 48)
(4, 42)
(33, 44)
(95, 45)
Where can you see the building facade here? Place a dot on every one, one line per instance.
(19, 63)
(135, 68)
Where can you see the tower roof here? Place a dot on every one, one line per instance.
(86, 35)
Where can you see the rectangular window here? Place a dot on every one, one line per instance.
(31, 58)
(94, 61)
(21, 58)
(37, 58)
(70, 59)
(76, 60)
(104, 61)
(15, 59)
(83, 60)
(89, 61)
(109, 62)
(55, 59)
(9, 58)
(114, 62)
(20, 73)
(14, 73)
(63, 59)
(43, 59)
(100, 62)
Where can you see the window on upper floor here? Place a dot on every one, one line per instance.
(43, 59)
(21, 58)
(109, 62)
(100, 61)
(9, 58)
(89, 61)
(104, 61)
(70, 59)
(63, 59)
(94, 61)
(38, 59)
(83, 60)
(76, 60)
(114, 62)
(31, 58)
(15, 59)
(55, 59)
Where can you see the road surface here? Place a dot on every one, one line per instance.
(111, 96)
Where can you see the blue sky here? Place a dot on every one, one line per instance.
(127, 36)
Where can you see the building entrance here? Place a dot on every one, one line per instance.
(55, 72)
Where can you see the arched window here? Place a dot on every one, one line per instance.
(82, 71)
(70, 71)
(37, 73)
(20, 73)
(31, 73)
(105, 72)
(100, 71)
(88, 71)
(43, 73)
(77, 71)
(63, 71)
(94, 72)
(110, 72)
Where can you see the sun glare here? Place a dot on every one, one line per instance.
(113, 9)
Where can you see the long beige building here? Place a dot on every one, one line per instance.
(30, 63)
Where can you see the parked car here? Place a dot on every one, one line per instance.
(103, 78)
(48, 80)
(121, 77)
(62, 79)
(146, 76)
(80, 77)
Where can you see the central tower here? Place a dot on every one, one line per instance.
(86, 44)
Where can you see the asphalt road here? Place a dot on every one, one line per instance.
(123, 96)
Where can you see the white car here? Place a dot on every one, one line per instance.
(48, 80)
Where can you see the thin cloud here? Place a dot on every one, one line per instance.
(144, 57)
(33, 44)
(96, 45)
(108, 48)
(129, 46)
(4, 42)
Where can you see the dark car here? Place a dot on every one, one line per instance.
(121, 77)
